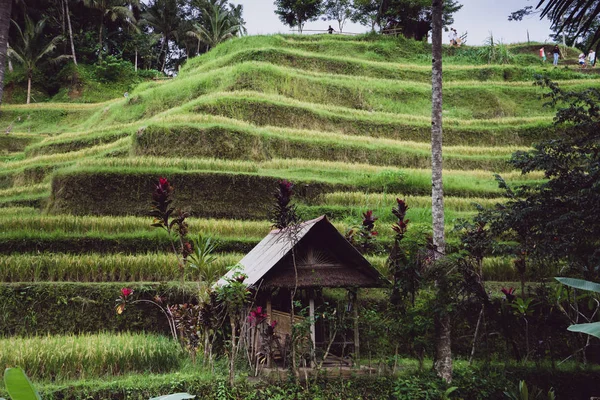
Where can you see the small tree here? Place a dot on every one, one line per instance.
(176, 228)
(366, 12)
(295, 13)
(234, 296)
(363, 236)
(219, 24)
(337, 10)
(32, 47)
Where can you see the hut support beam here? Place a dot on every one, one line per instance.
(269, 320)
(311, 315)
(354, 297)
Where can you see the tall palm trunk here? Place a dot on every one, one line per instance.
(29, 78)
(100, 38)
(162, 46)
(70, 31)
(5, 8)
(443, 354)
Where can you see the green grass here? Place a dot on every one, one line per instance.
(235, 142)
(90, 356)
(97, 267)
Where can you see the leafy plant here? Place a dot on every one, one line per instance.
(522, 392)
(494, 52)
(19, 386)
(203, 259)
(177, 228)
(591, 328)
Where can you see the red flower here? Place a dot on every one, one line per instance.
(374, 233)
(273, 324)
(163, 181)
(508, 293)
(126, 292)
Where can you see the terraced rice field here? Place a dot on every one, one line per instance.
(346, 119)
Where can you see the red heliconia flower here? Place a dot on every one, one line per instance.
(126, 292)
(163, 182)
(369, 220)
(508, 293)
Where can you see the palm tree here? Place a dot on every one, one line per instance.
(577, 16)
(443, 358)
(113, 9)
(5, 9)
(68, 17)
(163, 17)
(32, 48)
(219, 25)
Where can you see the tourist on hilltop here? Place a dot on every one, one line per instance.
(543, 54)
(582, 60)
(592, 58)
(452, 36)
(556, 53)
(330, 30)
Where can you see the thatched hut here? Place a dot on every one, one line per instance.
(299, 262)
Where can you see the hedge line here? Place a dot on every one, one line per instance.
(270, 113)
(228, 142)
(125, 243)
(25, 176)
(13, 143)
(73, 144)
(357, 67)
(209, 195)
(61, 308)
(472, 384)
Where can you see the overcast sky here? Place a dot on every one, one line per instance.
(477, 17)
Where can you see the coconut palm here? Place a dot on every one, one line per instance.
(573, 16)
(32, 47)
(5, 8)
(164, 18)
(443, 359)
(219, 25)
(113, 9)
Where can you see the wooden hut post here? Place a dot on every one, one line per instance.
(354, 297)
(269, 320)
(311, 315)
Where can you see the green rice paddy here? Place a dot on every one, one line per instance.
(348, 119)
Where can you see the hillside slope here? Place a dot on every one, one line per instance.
(345, 118)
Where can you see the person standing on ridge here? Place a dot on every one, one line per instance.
(582, 60)
(330, 30)
(556, 54)
(592, 58)
(543, 54)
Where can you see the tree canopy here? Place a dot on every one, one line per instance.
(295, 13)
(557, 220)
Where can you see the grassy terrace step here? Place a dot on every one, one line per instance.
(41, 308)
(101, 267)
(126, 190)
(113, 144)
(130, 267)
(403, 71)
(73, 141)
(89, 356)
(270, 110)
(44, 118)
(477, 101)
(232, 142)
(15, 142)
(30, 222)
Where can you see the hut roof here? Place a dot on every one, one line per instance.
(322, 258)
